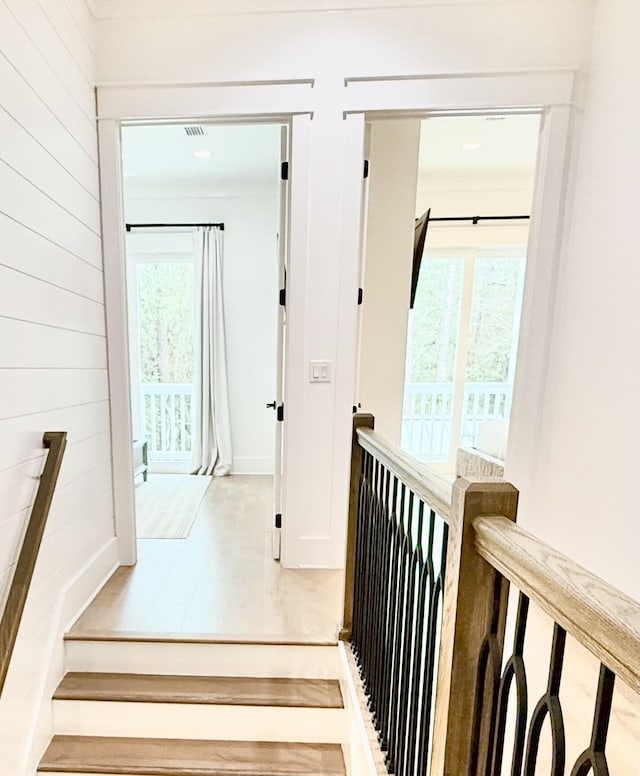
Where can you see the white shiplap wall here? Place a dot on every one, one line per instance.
(53, 367)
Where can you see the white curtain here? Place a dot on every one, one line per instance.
(212, 453)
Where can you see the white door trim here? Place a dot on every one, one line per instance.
(549, 92)
(115, 292)
(233, 105)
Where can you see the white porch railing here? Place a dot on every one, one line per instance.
(428, 410)
(167, 410)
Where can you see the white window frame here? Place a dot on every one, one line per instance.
(135, 257)
(469, 255)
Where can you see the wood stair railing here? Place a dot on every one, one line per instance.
(55, 442)
(439, 582)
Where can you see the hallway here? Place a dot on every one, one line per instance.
(221, 581)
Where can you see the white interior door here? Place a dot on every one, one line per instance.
(283, 246)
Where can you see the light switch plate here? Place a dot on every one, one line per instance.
(320, 371)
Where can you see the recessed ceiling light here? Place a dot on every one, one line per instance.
(202, 153)
(470, 146)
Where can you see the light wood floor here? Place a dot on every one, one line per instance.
(220, 581)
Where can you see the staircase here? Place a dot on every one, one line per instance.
(197, 708)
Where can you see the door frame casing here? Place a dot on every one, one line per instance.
(548, 92)
(164, 107)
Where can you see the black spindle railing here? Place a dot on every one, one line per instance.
(399, 570)
(600, 617)
(524, 731)
(429, 645)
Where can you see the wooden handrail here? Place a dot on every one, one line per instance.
(389, 621)
(602, 618)
(433, 490)
(55, 442)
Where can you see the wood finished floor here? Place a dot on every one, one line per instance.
(153, 757)
(221, 581)
(221, 690)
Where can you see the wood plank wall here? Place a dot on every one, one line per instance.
(53, 368)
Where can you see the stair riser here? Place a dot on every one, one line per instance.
(181, 720)
(261, 660)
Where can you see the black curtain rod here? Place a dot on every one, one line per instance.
(129, 227)
(475, 219)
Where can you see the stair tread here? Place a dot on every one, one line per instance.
(219, 690)
(183, 757)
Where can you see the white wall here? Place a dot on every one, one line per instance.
(188, 44)
(393, 156)
(251, 294)
(583, 494)
(53, 371)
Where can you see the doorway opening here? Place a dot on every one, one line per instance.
(203, 306)
(221, 581)
(447, 263)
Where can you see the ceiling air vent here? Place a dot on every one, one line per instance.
(194, 131)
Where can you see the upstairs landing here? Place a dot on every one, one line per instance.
(220, 582)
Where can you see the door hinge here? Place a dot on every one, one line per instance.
(280, 412)
(365, 173)
(360, 295)
(282, 297)
(278, 520)
(284, 171)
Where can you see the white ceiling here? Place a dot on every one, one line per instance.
(158, 160)
(508, 145)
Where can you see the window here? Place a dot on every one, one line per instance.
(461, 350)
(165, 347)
(161, 318)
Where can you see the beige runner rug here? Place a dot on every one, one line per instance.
(167, 505)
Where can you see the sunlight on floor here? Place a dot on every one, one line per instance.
(220, 581)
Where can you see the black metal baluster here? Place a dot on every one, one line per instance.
(549, 704)
(514, 668)
(432, 649)
(370, 571)
(594, 758)
(362, 568)
(386, 517)
(489, 659)
(395, 631)
(389, 591)
(407, 642)
(426, 589)
(360, 564)
(376, 592)
(390, 486)
(398, 633)
(421, 577)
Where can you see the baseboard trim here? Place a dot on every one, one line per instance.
(252, 465)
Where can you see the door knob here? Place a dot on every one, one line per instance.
(271, 405)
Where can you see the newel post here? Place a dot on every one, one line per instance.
(474, 603)
(362, 420)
